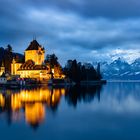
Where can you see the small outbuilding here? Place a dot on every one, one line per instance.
(3, 79)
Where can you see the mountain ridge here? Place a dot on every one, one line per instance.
(120, 69)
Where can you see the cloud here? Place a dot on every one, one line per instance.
(88, 8)
(73, 29)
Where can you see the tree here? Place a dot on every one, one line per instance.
(73, 71)
(54, 65)
(52, 60)
(9, 48)
(78, 72)
(8, 57)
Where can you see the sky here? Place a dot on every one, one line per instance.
(86, 30)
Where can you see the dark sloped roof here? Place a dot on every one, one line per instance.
(34, 45)
(40, 67)
(30, 65)
(27, 64)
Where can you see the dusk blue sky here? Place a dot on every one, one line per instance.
(88, 30)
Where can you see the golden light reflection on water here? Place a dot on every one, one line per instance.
(2, 100)
(34, 113)
(33, 102)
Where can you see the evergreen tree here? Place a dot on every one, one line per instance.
(78, 72)
(52, 61)
(8, 57)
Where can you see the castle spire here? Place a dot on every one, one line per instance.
(2, 65)
(34, 37)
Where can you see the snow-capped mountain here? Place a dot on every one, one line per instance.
(136, 65)
(121, 70)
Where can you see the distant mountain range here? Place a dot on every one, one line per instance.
(121, 70)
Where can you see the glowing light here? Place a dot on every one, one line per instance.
(53, 71)
(2, 100)
(34, 113)
(33, 102)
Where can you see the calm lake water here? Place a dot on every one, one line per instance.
(111, 111)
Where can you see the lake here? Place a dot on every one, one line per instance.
(110, 111)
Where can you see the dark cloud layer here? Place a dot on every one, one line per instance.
(90, 8)
(82, 29)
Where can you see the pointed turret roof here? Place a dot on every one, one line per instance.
(3, 75)
(34, 45)
(2, 63)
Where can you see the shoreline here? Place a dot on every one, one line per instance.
(98, 82)
(127, 81)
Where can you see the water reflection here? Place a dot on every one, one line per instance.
(111, 111)
(82, 93)
(32, 103)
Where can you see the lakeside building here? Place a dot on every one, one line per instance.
(3, 79)
(34, 66)
(2, 69)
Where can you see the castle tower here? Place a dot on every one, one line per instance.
(2, 68)
(35, 52)
(14, 67)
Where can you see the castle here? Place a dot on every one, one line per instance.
(33, 66)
